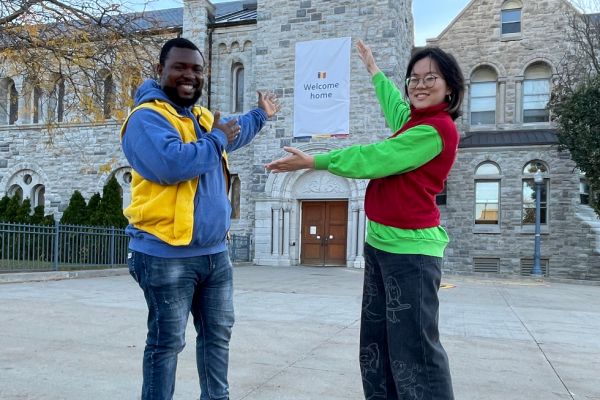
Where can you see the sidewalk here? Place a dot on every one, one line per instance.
(296, 338)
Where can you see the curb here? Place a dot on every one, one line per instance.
(20, 277)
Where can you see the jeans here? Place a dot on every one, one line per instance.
(401, 356)
(174, 287)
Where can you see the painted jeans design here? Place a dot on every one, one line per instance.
(401, 356)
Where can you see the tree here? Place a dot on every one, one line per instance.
(575, 98)
(93, 210)
(76, 212)
(38, 217)
(80, 47)
(111, 205)
(578, 122)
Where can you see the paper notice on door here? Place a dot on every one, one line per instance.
(313, 230)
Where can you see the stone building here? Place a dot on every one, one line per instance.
(510, 52)
(250, 45)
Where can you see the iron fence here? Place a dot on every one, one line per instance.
(26, 247)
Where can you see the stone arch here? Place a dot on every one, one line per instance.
(26, 180)
(222, 48)
(282, 185)
(235, 46)
(5, 180)
(247, 45)
(278, 216)
(498, 68)
(538, 60)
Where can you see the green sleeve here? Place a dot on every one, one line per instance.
(403, 153)
(395, 109)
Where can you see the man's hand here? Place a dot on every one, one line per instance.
(297, 160)
(268, 102)
(365, 54)
(230, 128)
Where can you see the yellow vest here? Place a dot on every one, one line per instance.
(167, 211)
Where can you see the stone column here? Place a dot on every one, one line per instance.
(518, 114)
(361, 238)
(354, 233)
(196, 15)
(501, 101)
(275, 246)
(286, 232)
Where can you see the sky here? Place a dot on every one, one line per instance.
(430, 16)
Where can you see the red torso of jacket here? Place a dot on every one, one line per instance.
(407, 200)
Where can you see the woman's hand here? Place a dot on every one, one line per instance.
(365, 54)
(297, 160)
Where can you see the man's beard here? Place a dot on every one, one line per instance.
(172, 94)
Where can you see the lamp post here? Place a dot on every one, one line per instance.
(539, 181)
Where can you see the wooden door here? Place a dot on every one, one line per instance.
(324, 232)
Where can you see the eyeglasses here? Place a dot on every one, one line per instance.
(428, 81)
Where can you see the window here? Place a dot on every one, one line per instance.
(536, 93)
(134, 80)
(36, 106)
(107, 93)
(483, 96)
(442, 197)
(16, 190)
(13, 103)
(56, 101)
(511, 17)
(529, 195)
(487, 194)
(584, 191)
(38, 196)
(238, 88)
(234, 196)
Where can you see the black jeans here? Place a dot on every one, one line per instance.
(401, 356)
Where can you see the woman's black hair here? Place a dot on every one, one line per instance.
(180, 43)
(449, 70)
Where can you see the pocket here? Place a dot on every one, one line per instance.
(131, 257)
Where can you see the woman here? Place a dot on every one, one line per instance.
(401, 356)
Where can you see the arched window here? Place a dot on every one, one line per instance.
(528, 215)
(234, 196)
(107, 93)
(36, 106)
(56, 100)
(133, 80)
(38, 196)
(510, 16)
(487, 194)
(123, 177)
(536, 93)
(484, 83)
(13, 102)
(237, 90)
(16, 190)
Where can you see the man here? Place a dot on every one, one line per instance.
(179, 217)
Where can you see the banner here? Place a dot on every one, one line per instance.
(322, 88)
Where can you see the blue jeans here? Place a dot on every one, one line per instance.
(174, 287)
(401, 356)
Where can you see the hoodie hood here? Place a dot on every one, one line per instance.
(150, 90)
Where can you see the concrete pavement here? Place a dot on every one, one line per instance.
(296, 338)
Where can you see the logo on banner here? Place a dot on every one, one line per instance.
(321, 75)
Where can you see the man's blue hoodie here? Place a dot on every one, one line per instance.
(156, 151)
